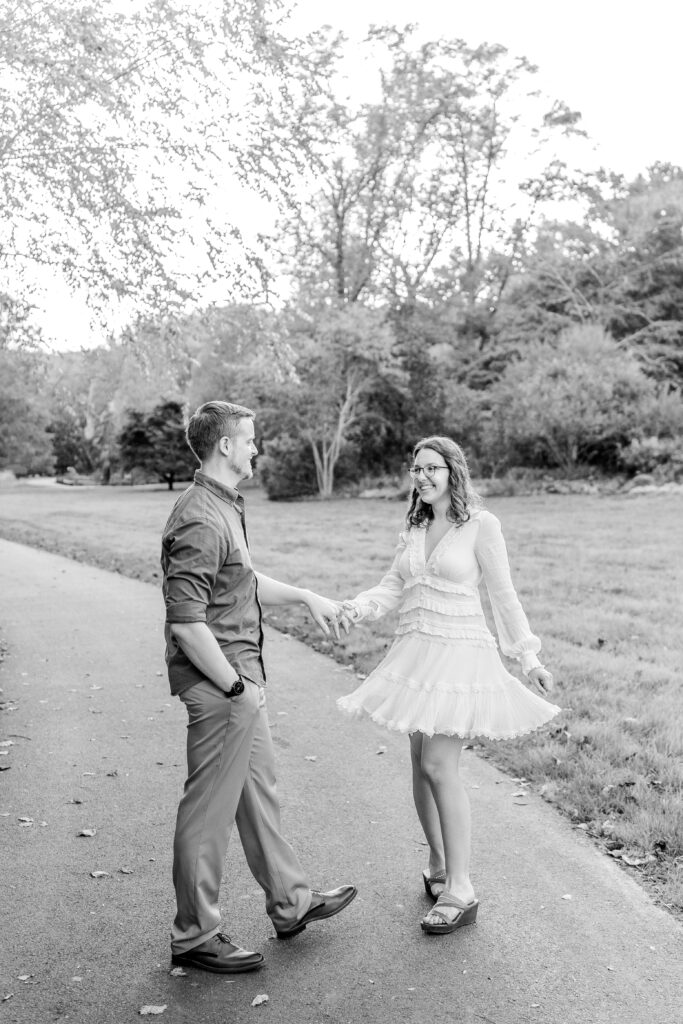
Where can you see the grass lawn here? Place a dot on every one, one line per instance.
(599, 577)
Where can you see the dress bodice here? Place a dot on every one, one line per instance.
(439, 595)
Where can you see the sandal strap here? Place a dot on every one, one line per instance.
(447, 899)
(439, 877)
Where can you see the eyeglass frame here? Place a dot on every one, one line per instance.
(415, 471)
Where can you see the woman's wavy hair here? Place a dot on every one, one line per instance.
(464, 498)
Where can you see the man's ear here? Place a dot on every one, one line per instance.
(224, 445)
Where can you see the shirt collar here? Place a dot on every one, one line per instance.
(229, 494)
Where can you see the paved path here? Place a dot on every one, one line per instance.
(97, 743)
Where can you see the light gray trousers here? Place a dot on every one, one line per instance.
(230, 778)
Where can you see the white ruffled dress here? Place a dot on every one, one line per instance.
(443, 673)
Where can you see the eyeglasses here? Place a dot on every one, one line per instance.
(428, 471)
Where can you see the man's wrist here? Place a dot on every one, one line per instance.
(235, 688)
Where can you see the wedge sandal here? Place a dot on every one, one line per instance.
(439, 878)
(467, 915)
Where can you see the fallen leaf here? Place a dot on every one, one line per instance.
(6, 743)
(257, 1000)
(6, 997)
(5, 767)
(24, 977)
(27, 821)
(520, 792)
(126, 871)
(89, 832)
(310, 757)
(567, 897)
(178, 972)
(637, 860)
(145, 1010)
(381, 749)
(99, 874)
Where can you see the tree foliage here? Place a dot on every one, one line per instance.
(397, 196)
(155, 442)
(119, 126)
(25, 442)
(341, 354)
(575, 400)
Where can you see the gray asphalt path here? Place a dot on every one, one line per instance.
(97, 743)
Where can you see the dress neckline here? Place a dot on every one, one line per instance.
(438, 544)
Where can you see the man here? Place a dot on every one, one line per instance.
(214, 641)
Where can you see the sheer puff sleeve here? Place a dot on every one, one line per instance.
(385, 597)
(514, 634)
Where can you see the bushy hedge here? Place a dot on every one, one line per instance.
(286, 468)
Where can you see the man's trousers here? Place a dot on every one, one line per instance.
(230, 778)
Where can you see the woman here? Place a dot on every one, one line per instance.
(443, 681)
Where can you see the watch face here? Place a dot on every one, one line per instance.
(238, 687)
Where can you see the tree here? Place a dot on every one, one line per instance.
(119, 125)
(69, 444)
(25, 442)
(405, 196)
(155, 442)
(574, 400)
(339, 356)
(621, 268)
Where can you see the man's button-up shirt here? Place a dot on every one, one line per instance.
(208, 577)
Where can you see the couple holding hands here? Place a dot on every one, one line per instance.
(442, 682)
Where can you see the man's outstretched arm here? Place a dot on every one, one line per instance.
(321, 608)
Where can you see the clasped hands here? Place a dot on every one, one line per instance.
(337, 613)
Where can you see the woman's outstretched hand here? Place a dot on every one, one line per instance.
(541, 678)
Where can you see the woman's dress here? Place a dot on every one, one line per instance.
(443, 673)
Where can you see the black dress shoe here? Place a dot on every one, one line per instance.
(219, 955)
(323, 905)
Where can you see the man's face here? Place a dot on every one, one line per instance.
(242, 450)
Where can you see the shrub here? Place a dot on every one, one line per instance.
(663, 457)
(286, 468)
(580, 399)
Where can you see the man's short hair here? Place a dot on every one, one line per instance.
(211, 422)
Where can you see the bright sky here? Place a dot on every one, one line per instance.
(618, 63)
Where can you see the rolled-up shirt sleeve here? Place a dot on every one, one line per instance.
(195, 553)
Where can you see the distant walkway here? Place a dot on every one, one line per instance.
(563, 936)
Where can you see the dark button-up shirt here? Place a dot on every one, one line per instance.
(208, 577)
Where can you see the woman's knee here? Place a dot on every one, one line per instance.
(440, 761)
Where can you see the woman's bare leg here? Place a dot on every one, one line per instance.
(426, 810)
(440, 765)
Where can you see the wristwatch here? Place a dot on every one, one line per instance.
(237, 688)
